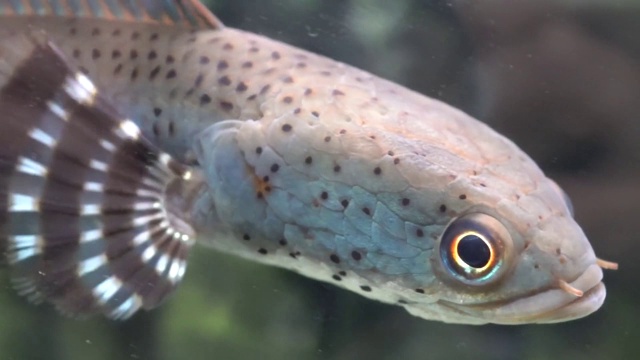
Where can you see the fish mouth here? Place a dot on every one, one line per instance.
(549, 306)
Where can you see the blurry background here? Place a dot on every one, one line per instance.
(560, 78)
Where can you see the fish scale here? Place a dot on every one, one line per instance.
(301, 162)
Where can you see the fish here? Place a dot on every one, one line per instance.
(133, 131)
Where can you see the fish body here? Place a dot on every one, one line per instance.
(283, 157)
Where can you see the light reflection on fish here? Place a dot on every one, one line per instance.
(131, 130)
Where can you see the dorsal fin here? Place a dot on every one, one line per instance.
(190, 13)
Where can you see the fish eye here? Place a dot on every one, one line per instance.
(474, 247)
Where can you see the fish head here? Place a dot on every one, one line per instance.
(514, 259)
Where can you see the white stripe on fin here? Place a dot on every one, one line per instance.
(28, 166)
(42, 137)
(106, 289)
(81, 89)
(127, 308)
(58, 110)
(91, 264)
(23, 203)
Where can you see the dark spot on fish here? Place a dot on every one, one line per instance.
(246, 237)
(225, 81)
(287, 80)
(275, 55)
(301, 65)
(462, 197)
(222, 65)
(390, 153)
(156, 129)
(308, 160)
(265, 89)
(134, 73)
(365, 288)
(133, 54)
(366, 210)
(205, 99)
(227, 46)
(154, 72)
(396, 161)
(356, 255)
(297, 111)
(308, 92)
(337, 92)
(334, 258)
(342, 273)
(199, 80)
(275, 168)
(283, 242)
(135, 35)
(226, 106)
(558, 251)
(336, 278)
(242, 87)
(377, 171)
(324, 195)
(76, 53)
(152, 55)
(327, 138)
(171, 74)
(118, 69)
(315, 113)
(287, 100)
(116, 54)
(95, 54)
(247, 64)
(259, 150)
(294, 254)
(443, 208)
(406, 201)
(172, 128)
(263, 251)
(419, 233)
(325, 73)
(252, 97)
(337, 168)
(286, 128)
(157, 112)
(343, 131)
(170, 59)
(402, 302)
(254, 49)
(204, 60)
(420, 291)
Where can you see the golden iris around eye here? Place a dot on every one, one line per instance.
(472, 252)
(473, 248)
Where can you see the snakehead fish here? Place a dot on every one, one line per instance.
(132, 130)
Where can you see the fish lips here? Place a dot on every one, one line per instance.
(549, 306)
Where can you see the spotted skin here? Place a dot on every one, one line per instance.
(332, 172)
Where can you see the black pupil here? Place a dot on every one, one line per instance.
(474, 251)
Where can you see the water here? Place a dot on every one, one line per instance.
(560, 78)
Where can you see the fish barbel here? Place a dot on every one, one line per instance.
(133, 129)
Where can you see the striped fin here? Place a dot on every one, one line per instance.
(92, 216)
(191, 13)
